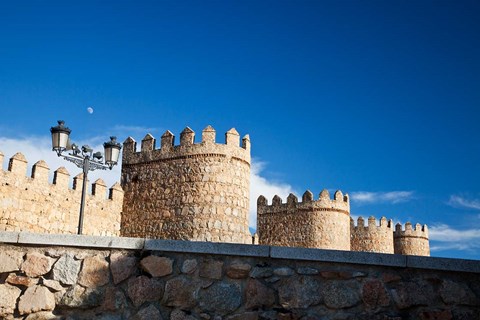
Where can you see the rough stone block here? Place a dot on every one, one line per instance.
(221, 297)
(148, 313)
(66, 269)
(142, 289)
(36, 298)
(37, 264)
(94, 272)
(258, 295)
(189, 266)
(17, 280)
(10, 260)
(301, 292)
(122, 266)
(8, 299)
(211, 269)
(238, 270)
(157, 266)
(180, 293)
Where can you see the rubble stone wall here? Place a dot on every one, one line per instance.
(33, 204)
(82, 277)
(193, 191)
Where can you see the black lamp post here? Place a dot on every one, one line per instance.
(83, 158)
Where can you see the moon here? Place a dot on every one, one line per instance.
(90, 110)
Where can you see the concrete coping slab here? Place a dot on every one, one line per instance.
(9, 237)
(233, 249)
(447, 264)
(288, 253)
(352, 257)
(80, 241)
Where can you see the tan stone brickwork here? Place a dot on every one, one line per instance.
(326, 224)
(35, 205)
(322, 223)
(411, 241)
(373, 237)
(193, 191)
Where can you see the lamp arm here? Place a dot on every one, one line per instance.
(79, 162)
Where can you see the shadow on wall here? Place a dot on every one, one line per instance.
(58, 282)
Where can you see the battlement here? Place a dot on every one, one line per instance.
(372, 223)
(232, 148)
(419, 231)
(339, 203)
(372, 237)
(18, 164)
(191, 191)
(32, 203)
(411, 241)
(322, 223)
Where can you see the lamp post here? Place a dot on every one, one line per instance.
(83, 158)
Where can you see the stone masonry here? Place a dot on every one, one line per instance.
(33, 204)
(120, 278)
(193, 191)
(326, 224)
(372, 237)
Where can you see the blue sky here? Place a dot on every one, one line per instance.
(380, 99)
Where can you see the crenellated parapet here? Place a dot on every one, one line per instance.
(339, 203)
(373, 237)
(32, 203)
(191, 191)
(411, 240)
(322, 223)
(207, 147)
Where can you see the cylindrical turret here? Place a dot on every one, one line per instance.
(411, 241)
(322, 223)
(194, 191)
(372, 238)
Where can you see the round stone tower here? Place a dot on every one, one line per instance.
(193, 191)
(411, 241)
(322, 223)
(372, 238)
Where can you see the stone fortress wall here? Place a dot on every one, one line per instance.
(192, 191)
(33, 204)
(411, 241)
(326, 224)
(322, 223)
(372, 237)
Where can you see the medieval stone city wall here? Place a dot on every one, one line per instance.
(326, 224)
(322, 223)
(82, 277)
(372, 237)
(411, 241)
(192, 191)
(33, 204)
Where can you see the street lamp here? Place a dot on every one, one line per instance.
(83, 157)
